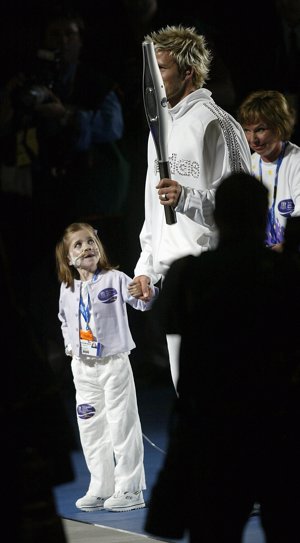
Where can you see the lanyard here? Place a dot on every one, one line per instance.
(85, 311)
(272, 209)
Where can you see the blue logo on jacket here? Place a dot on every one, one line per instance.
(108, 295)
(286, 207)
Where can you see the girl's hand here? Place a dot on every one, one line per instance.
(135, 290)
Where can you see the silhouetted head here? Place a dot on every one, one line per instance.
(241, 208)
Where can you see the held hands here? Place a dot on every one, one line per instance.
(140, 288)
(169, 192)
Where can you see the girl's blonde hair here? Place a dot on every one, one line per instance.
(65, 271)
(271, 107)
(188, 48)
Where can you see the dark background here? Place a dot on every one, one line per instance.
(249, 40)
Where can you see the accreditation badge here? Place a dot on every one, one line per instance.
(91, 348)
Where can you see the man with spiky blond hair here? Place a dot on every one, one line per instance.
(205, 144)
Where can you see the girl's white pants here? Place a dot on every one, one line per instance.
(109, 424)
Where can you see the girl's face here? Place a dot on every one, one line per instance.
(263, 140)
(83, 251)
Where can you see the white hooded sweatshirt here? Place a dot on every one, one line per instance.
(205, 144)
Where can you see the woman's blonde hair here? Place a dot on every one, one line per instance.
(65, 271)
(271, 107)
(188, 48)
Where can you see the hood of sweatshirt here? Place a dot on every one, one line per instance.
(199, 95)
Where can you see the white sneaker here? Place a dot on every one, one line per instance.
(90, 503)
(125, 501)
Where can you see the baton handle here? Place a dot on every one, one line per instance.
(164, 171)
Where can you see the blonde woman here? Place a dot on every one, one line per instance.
(268, 122)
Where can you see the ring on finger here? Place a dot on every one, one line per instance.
(165, 197)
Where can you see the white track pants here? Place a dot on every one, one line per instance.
(109, 424)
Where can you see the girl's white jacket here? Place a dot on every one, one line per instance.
(205, 144)
(109, 296)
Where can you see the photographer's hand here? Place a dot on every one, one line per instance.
(53, 108)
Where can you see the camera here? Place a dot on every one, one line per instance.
(34, 90)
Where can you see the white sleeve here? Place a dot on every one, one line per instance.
(62, 317)
(198, 204)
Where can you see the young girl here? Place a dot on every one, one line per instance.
(94, 323)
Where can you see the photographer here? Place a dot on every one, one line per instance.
(57, 119)
(61, 123)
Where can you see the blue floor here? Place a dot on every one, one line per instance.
(154, 406)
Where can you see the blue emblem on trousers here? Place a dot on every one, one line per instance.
(85, 411)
